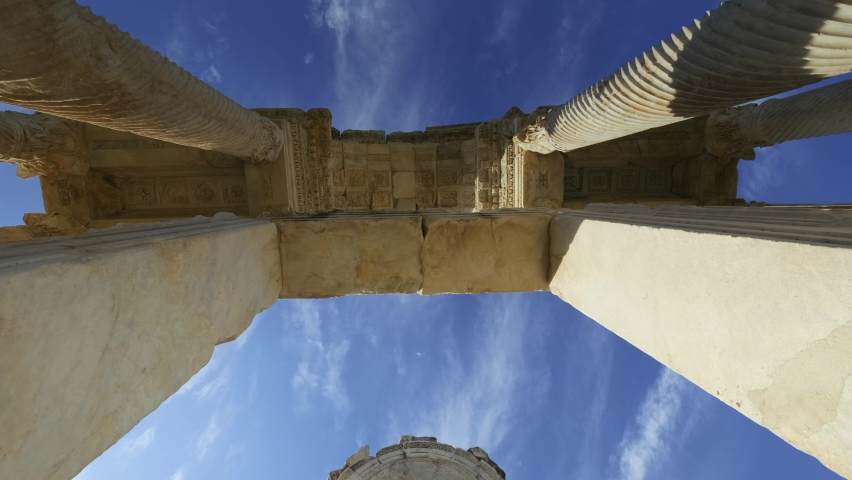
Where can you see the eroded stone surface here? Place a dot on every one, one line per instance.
(476, 254)
(328, 258)
(96, 331)
(755, 308)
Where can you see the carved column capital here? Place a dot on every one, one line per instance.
(729, 134)
(270, 144)
(534, 137)
(42, 144)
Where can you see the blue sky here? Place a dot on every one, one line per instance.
(545, 390)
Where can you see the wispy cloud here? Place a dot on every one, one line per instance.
(208, 437)
(135, 446)
(481, 400)
(770, 170)
(211, 75)
(309, 58)
(180, 474)
(646, 445)
(373, 78)
(197, 44)
(211, 368)
(321, 366)
(211, 388)
(597, 357)
(506, 23)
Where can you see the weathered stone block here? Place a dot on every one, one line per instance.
(543, 180)
(110, 324)
(403, 185)
(402, 157)
(486, 254)
(334, 257)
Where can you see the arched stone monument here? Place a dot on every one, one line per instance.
(419, 458)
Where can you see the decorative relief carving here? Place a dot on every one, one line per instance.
(425, 200)
(382, 200)
(234, 193)
(542, 180)
(448, 198)
(573, 183)
(448, 177)
(600, 180)
(176, 193)
(357, 200)
(658, 180)
(380, 179)
(339, 178)
(357, 178)
(206, 192)
(141, 194)
(267, 187)
(627, 180)
(425, 179)
(131, 144)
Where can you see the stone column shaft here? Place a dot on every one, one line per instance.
(754, 305)
(742, 51)
(60, 58)
(97, 330)
(734, 133)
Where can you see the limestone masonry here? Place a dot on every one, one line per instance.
(172, 216)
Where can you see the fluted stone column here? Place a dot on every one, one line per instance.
(97, 330)
(754, 305)
(58, 57)
(744, 50)
(734, 133)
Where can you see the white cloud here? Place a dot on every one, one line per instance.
(506, 23)
(374, 82)
(135, 446)
(197, 44)
(180, 474)
(321, 365)
(647, 444)
(309, 58)
(211, 75)
(596, 377)
(481, 401)
(770, 170)
(211, 388)
(208, 437)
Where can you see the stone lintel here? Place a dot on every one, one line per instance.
(751, 304)
(97, 330)
(330, 257)
(479, 253)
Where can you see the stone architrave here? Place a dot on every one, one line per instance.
(478, 253)
(97, 330)
(751, 304)
(543, 180)
(350, 255)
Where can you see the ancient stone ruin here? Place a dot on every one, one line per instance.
(622, 202)
(419, 458)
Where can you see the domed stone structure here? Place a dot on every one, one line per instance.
(419, 458)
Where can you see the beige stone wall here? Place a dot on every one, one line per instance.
(753, 305)
(345, 254)
(96, 331)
